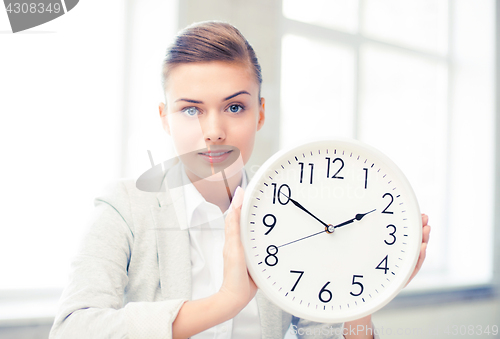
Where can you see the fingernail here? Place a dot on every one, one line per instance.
(237, 198)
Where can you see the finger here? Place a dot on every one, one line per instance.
(425, 219)
(421, 257)
(238, 198)
(235, 204)
(426, 232)
(235, 223)
(420, 262)
(228, 224)
(229, 232)
(232, 242)
(232, 224)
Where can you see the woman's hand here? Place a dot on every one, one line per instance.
(426, 230)
(237, 286)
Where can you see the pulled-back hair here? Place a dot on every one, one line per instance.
(210, 41)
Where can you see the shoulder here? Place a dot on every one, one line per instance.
(119, 199)
(144, 189)
(123, 191)
(134, 197)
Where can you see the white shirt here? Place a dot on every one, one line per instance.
(206, 222)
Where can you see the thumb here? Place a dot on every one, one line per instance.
(237, 198)
(233, 216)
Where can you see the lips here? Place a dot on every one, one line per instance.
(215, 156)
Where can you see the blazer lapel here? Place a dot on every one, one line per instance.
(174, 257)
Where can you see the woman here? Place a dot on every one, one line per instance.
(170, 264)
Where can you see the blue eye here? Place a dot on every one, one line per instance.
(235, 108)
(191, 111)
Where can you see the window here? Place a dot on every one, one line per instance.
(61, 112)
(77, 100)
(415, 79)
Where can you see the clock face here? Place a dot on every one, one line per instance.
(331, 230)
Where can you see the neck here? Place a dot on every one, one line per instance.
(215, 191)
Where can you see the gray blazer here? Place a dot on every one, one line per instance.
(132, 272)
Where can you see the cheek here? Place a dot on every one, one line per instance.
(246, 138)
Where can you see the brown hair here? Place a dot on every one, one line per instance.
(210, 41)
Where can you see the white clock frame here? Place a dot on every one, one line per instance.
(370, 157)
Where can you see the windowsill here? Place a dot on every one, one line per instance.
(28, 307)
(443, 295)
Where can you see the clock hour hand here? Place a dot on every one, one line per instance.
(304, 209)
(329, 228)
(357, 217)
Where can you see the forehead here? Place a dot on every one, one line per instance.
(209, 79)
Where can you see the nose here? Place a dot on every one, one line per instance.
(213, 127)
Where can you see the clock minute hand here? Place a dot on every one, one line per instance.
(357, 217)
(304, 209)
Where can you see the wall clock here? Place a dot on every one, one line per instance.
(331, 230)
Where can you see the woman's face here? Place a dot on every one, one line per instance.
(212, 113)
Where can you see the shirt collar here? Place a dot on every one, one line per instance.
(193, 198)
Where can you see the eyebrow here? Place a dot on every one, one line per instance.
(225, 99)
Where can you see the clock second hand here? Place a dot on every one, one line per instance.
(291, 242)
(331, 228)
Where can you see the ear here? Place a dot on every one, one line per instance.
(262, 113)
(163, 116)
